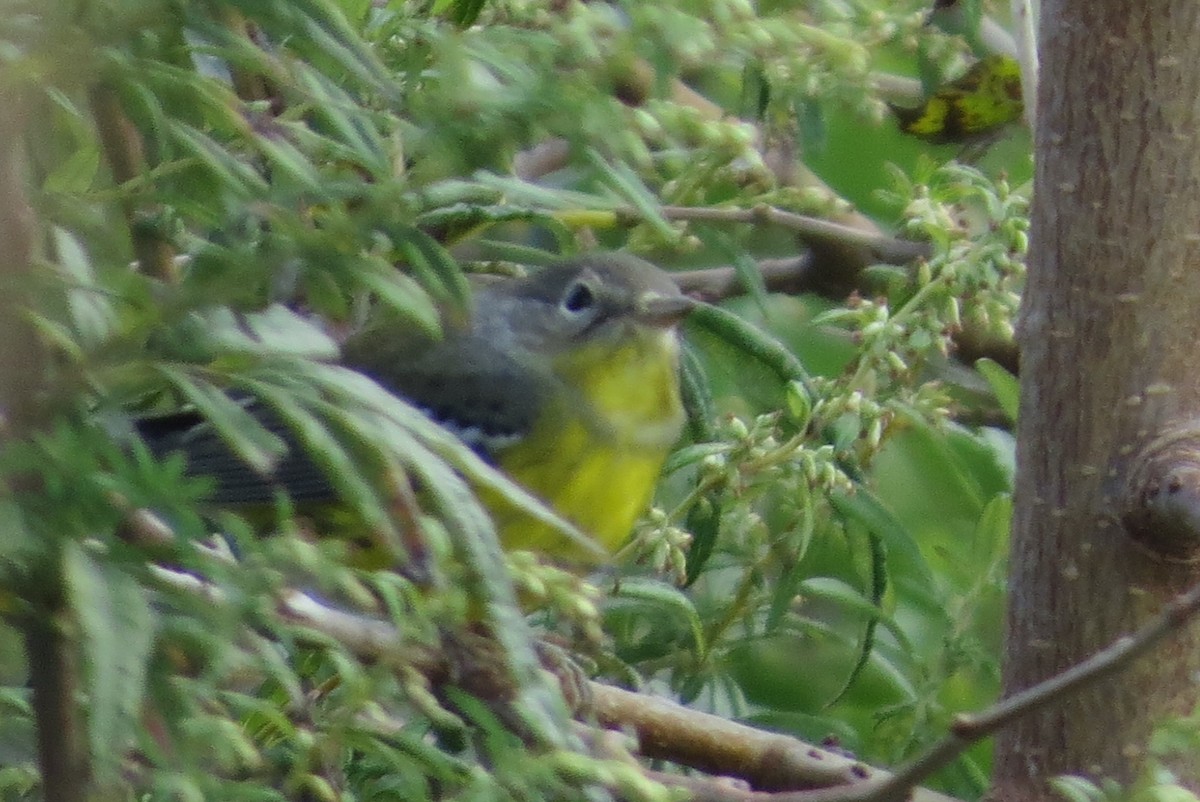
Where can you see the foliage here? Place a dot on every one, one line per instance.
(835, 507)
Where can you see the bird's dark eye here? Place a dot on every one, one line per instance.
(579, 298)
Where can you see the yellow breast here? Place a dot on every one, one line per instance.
(595, 454)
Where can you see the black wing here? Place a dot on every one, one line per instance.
(485, 397)
(207, 454)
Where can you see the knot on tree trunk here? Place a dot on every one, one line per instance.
(1160, 506)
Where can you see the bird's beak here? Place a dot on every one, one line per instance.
(663, 311)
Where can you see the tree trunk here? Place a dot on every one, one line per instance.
(1108, 483)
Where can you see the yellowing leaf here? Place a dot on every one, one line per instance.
(985, 98)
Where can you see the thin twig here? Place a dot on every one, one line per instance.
(815, 230)
(636, 84)
(967, 729)
(123, 151)
(248, 84)
(665, 729)
(790, 276)
(768, 761)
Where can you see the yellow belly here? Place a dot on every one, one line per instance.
(600, 488)
(595, 455)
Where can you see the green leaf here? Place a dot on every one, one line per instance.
(117, 630)
(323, 26)
(92, 315)
(281, 330)
(249, 439)
(402, 294)
(18, 545)
(235, 176)
(525, 193)
(436, 270)
(340, 465)
(633, 191)
(1169, 792)
(697, 396)
(991, 532)
(76, 173)
(1005, 386)
(274, 330)
(744, 265)
(752, 341)
(1076, 789)
(445, 267)
(863, 508)
(462, 13)
(663, 599)
(349, 122)
(289, 163)
(352, 389)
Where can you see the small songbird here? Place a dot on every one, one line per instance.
(567, 380)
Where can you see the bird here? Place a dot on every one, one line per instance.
(566, 379)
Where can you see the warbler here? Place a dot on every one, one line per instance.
(568, 380)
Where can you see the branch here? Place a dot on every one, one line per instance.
(666, 730)
(766, 760)
(24, 369)
(249, 85)
(967, 729)
(813, 230)
(790, 276)
(123, 151)
(634, 86)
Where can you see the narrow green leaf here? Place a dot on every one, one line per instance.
(58, 336)
(92, 313)
(1077, 789)
(281, 330)
(345, 119)
(539, 700)
(452, 191)
(690, 455)
(665, 599)
(353, 389)
(754, 342)
(704, 525)
(235, 175)
(633, 191)
(405, 296)
(1005, 386)
(697, 396)
(437, 271)
(18, 545)
(249, 439)
(448, 271)
(845, 596)
(76, 173)
(517, 252)
(866, 510)
(743, 264)
(524, 193)
(463, 13)
(344, 471)
(117, 629)
(325, 27)
(289, 162)
(991, 531)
